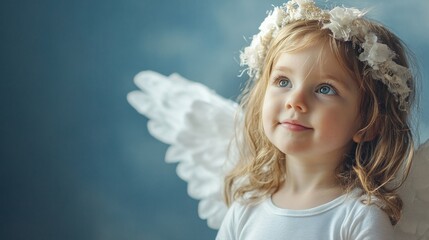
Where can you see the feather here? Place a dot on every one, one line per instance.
(199, 125)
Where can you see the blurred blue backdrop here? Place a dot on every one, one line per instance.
(77, 161)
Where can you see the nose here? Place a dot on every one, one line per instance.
(297, 100)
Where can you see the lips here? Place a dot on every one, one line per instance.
(294, 125)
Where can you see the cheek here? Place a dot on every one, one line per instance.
(270, 104)
(267, 115)
(338, 125)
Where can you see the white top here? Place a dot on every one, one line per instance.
(345, 217)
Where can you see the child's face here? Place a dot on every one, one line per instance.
(311, 105)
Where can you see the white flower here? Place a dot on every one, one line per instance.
(375, 53)
(301, 2)
(301, 10)
(272, 21)
(342, 22)
(345, 16)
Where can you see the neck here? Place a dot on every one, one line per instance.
(307, 184)
(305, 176)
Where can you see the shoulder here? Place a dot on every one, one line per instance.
(239, 211)
(367, 221)
(237, 216)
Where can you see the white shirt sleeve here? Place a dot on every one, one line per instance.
(371, 223)
(227, 229)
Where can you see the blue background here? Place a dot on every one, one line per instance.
(77, 161)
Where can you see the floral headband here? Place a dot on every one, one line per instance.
(343, 25)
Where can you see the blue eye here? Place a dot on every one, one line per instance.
(326, 89)
(284, 82)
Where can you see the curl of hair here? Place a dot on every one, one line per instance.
(378, 165)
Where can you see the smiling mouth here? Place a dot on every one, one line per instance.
(294, 126)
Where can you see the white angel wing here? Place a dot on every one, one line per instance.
(415, 193)
(198, 124)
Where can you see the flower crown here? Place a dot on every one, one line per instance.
(343, 25)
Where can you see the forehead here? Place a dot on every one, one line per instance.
(318, 58)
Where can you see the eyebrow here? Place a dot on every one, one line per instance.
(326, 76)
(332, 77)
(341, 81)
(282, 69)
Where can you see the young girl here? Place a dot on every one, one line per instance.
(323, 135)
(326, 138)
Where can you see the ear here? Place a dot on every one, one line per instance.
(367, 133)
